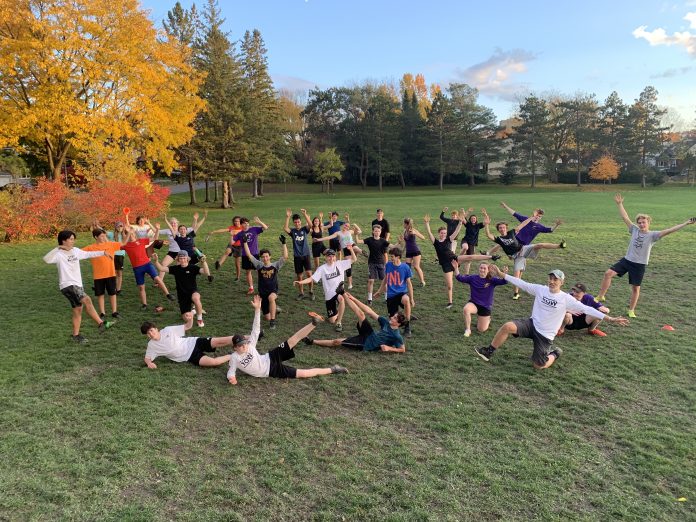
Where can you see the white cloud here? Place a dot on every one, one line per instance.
(671, 73)
(660, 37)
(496, 75)
(292, 83)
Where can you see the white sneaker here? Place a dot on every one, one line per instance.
(467, 333)
(200, 323)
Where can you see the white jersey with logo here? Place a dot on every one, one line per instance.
(68, 262)
(549, 309)
(251, 362)
(331, 276)
(173, 344)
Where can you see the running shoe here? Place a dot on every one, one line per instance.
(631, 314)
(105, 325)
(299, 297)
(407, 331)
(272, 324)
(556, 351)
(143, 308)
(448, 306)
(338, 369)
(217, 265)
(601, 299)
(563, 243)
(312, 296)
(467, 333)
(116, 315)
(339, 327)
(210, 279)
(200, 323)
(79, 339)
(171, 297)
(515, 296)
(597, 332)
(102, 315)
(250, 291)
(495, 257)
(485, 352)
(308, 341)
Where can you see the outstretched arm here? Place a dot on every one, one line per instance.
(486, 223)
(169, 224)
(618, 199)
(308, 219)
(159, 265)
(506, 207)
(523, 224)
(426, 220)
(454, 234)
(188, 316)
(286, 226)
(198, 224)
(261, 223)
(668, 231)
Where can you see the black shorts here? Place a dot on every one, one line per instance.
(107, 284)
(173, 255)
(579, 323)
(185, 301)
(118, 262)
(74, 294)
(157, 244)
(277, 355)
(235, 251)
(636, 271)
(247, 264)
(335, 244)
(394, 303)
(447, 268)
(375, 271)
(358, 341)
(411, 255)
(481, 311)
(203, 344)
(542, 345)
(471, 250)
(302, 264)
(332, 306)
(317, 249)
(266, 304)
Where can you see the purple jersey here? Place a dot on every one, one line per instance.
(589, 300)
(530, 230)
(482, 288)
(252, 239)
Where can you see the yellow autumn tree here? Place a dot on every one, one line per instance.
(77, 75)
(605, 169)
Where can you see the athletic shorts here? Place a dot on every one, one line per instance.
(203, 344)
(277, 355)
(471, 249)
(317, 249)
(141, 270)
(447, 268)
(107, 284)
(235, 251)
(266, 304)
(542, 345)
(157, 244)
(481, 311)
(394, 303)
(185, 301)
(414, 253)
(118, 262)
(335, 244)
(302, 264)
(520, 258)
(579, 323)
(74, 294)
(375, 271)
(636, 271)
(358, 341)
(247, 264)
(173, 255)
(332, 306)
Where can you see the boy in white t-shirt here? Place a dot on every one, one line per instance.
(171, 342)
(67, 258)
(548, 313)
(332, 275)
(248, 360)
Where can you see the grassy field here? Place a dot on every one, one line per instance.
(609, 432)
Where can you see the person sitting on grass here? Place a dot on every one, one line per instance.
(548, 312)
(511, 245)
(185, 275)
(66, 256)
(578, 321)
(481, 301)
(267, 278)
(637, 255)
(247, 359)
(386, 339)
(171, 342)
(399, 288)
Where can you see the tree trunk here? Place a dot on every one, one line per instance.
(401, 179)
(207, 190)
(362, 173)
(225, 195)
(260, 187)
(442, 164)
(533, 166)
(254, 189)
(229, 185)
(192, 185)
(215, 190)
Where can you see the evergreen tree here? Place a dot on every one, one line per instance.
(646, 133)
(533, 135)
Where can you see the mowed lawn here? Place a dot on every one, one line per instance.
(609, 432)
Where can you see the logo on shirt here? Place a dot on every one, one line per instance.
(639, 240)
(246, 360)
(548, 301)
(333, 275)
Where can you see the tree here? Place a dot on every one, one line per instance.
(78, 73)
(605, 169)
(328, 168)
(646, 131)
(440, 125)
(12, 164)
(582, 111)
(533, 134)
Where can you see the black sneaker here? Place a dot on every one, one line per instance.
(495, 257)
(563, 243)
(102, 315)
(556, 351)
(116, 315)
(312, 296)
(118, 292)
(338, 369)
(299, 297)
(407, 331)
(143, 308)
(413, 318)
(79, 339)
(340, 289)
(217, 265)
(210, 279)
(449, 305)
(308, 341)
(272, 324)
(485, 352)
(369, 302)
(171, 297)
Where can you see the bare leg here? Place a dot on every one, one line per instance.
(249, 279)
(473, 257)
(418, 269)
(341, 308)
(406, 301)
(237, 267)
(196, 298)
(272, 305)
(316, 263)
(119, 280)
(143, 295)
(168, 260)
(448, 285)
(300, 334)
(635, 294)
(482, 323)
(469, 309)
(298, 277)
(113, 303)
(312, 372)
(370, 286)
(356, 310)
(214, 361)
(76, 319)
(551, 360)
(87, 302)
(162, 286)
(224, 256)
(503, 333)
(606, 283)
(328, 343)
(219, 342)
(100, 304)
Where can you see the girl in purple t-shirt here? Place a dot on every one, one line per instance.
(481, 301)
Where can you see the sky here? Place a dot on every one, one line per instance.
(506, 49)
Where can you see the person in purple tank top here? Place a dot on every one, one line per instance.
(413, 253)
(481, 301)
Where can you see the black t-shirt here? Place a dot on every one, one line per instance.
(385, 226)
(185, 278)
(377, 249)
(186, 242)
(509, 243)
(268, 279)
(472, 232)
(300, 241)
(444, 251)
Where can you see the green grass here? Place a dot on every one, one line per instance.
(89, 433)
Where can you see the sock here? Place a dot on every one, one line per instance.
(369, 296)
(199, 317)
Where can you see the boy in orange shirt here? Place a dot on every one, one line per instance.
(104, 271)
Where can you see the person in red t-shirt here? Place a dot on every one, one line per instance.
(136, 250)
(234, 248)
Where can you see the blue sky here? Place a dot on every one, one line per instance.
(506, 48)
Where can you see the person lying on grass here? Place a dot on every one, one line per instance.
(548, 312)
(387, 339)
(171, 342)
(248, 360)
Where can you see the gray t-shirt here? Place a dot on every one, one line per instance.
(640, 245)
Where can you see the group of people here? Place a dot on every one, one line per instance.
(553, 311)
